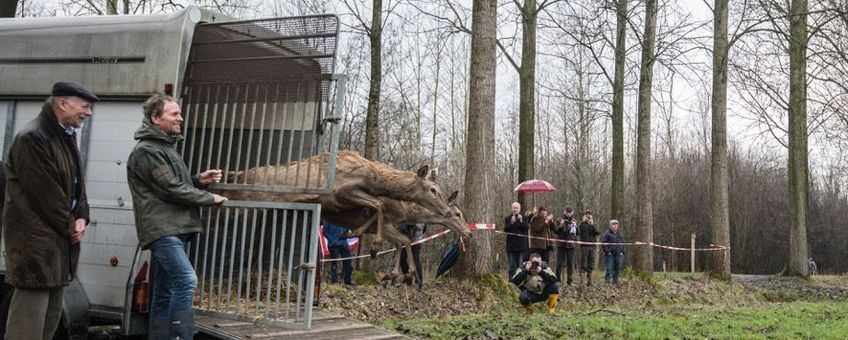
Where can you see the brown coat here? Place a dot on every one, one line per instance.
(540, 228)
(43, 175)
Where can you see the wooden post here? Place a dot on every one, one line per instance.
(693, 253)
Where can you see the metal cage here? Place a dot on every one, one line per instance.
(262, 93)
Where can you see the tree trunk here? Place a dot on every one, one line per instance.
(480, 155)
(527, 98)
(643, 257)
(372, 115)
(798, 251)
(8, 8)
(617, 195)
(719, 201)
(126, 6)
(436, 103)
(111, 7)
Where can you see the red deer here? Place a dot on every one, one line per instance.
(359, 183)
(397, 213)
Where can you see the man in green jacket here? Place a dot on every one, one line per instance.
(46, 211)
(165, 201)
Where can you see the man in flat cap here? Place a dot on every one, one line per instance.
(46, 211)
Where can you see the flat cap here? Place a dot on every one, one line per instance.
(69, 88)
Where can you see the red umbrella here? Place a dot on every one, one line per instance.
(534, 185)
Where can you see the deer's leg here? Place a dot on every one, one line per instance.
(361, 198)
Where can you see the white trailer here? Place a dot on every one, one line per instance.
(253, 93)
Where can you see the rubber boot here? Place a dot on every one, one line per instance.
(552, 303)
(182, 325)
(528, 309)
(159, 329)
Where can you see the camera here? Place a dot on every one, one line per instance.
(535, 264)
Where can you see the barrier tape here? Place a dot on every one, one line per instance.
(491, 226)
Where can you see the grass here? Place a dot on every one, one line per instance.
(818, 320)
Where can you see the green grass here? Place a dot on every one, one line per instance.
(795, 320)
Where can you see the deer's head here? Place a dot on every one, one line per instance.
(427, 193)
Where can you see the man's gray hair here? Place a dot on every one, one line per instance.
(613, 222)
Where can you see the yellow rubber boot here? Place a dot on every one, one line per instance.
(552, 303)
(528, 309)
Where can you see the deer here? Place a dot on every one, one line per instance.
(359, 183)
(396, 213)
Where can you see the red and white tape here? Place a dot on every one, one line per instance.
(491, 226)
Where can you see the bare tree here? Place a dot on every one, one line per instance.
(529, 13)
(719, 201)
(480, 155)
(617, 195)
(643, 257)
(798, 165)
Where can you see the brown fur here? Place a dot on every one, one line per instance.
(397, 213)
(359, 188)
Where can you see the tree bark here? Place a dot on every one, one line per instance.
(111, 7)
(797, 167)
(719, 201)
(480, 156)
(372, 115)
(643, 257)
(617, 195)
(8, 8)
(527, 97)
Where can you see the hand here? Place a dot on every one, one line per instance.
(79, 231)
(218, 199)
(549, 218)
(211, 176)
(520, 218)
(528, 265)
(513, 218)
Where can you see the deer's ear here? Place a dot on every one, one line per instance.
(433, 174)
(453, 196)
(422, 172)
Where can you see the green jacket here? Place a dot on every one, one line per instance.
(165, 196)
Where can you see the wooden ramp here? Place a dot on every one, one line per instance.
(324, 326)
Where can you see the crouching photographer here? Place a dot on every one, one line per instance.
(537, 283)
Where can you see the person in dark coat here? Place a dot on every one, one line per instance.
(588, 233)
(46, 211)
(415, 232)
(614, 252)
(516, 244)
(566, 230)
(165, 204)
(8, 289)
(337, 243)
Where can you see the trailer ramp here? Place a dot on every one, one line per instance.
(324, 326)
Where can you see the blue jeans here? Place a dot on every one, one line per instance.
(174, 280)
(515, 258)
(340, 252)
(416, 258)
(613, 267)
(527, 297)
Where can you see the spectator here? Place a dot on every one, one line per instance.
(337, 243)
(614, 252)
(588, 233)
(537, 283)
(566, 230)
(415, 232)
(814, 270)
(540, 231)
(47, 211)
(516, 240)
